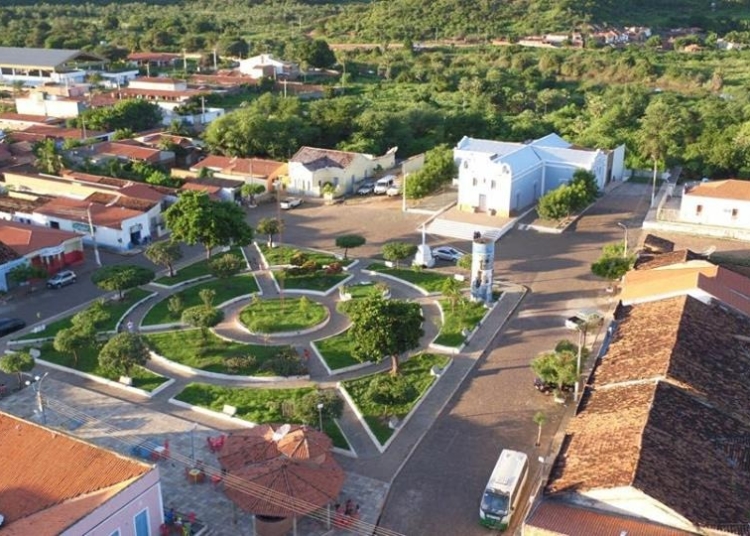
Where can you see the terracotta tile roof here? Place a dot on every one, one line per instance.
(25, 238)
(153, 140)
(153, 56)
(133, 92)
(314, 159)
(7, 254)
(727, 189)
(60, 132)
(50, 469)
(656, 244)
(28, 118)
(557, 517)
(138, 190)
(16, 204)
(200, 187)
(697, 278)
(115, 200)
(128, 150)
(669, 413)
(250, 167)
(96, 179)
(649, 261)
(75, 210)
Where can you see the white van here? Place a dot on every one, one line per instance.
(500, 497)
(382, 185)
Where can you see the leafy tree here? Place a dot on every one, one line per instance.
(133, 114)
(17, 363)
(555, 367)
(306, 408)
(196, 218)
(539, 419)
(613, 263)
(71, 340)
(26, 272)
(270, 227)
(94, 315)
(383, 328)
(123, 352)
(175, 305)
(202, 317)
(438, 169)
(122, 277)
(315, 53)
(207, 296)
(225, 266)
(398, 251)
(49, 158)
(250, 189)
(464, 262)
(164, 253)
(347, 242)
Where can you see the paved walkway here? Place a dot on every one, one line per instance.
(370, 472)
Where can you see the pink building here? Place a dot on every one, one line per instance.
(54, 484)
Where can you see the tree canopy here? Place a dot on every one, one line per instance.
(197, 219)
(122, 277)
(349, 241)
(123, 352)
(164, 253)
(17, 363)
(269, 227)
(133, 114)
(398, 251)
(384, 328)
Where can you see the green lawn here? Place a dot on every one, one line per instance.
(226, 289)
(362, 291)
(283, 254)
(425, 279)
(416, 373)
(88, 362)
(261, 406)
(197, 269)
(466, 315)
(116, 309)
(274, 316)
(337, 351)
(320, 281)
(188, 348)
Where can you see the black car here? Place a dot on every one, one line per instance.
(9, 325)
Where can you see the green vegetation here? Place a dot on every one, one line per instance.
(613, 263)
(439, 168)
(569, 198)
(88, 362)
(115, 308)
(465, 315)
(337, 350)
(283, 255)
(290, 314)
(121, 277)
(424, 279)
(225, 289)
(260, 406)
(197, 269)
(382, 396)
(318, 281)
(187, 347)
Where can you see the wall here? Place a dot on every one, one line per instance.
(177, 85)
(52, 186)
(120, 511)
(7, 267)
(114, 238)
(47, 107)
(715, 211)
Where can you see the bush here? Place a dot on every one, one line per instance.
(298, 259)
(391, 390)
(175, 306)
(306, 409)
(225, 266)
(568, 198)
(285, 363)
(334, 268)
(237, 364)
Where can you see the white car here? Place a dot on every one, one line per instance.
(446, 253)
(62, 279)
(382, 185)
(393, 191)
(290, 202)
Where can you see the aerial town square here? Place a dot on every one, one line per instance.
(388, 267)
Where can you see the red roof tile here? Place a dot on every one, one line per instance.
(25, 238)
(50, 468)
(313, 158)
(728, 189)
(75, 210)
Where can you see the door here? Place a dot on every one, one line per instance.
(482, 203)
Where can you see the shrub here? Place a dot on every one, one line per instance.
(334, 268)
(238, 363)
(285, 363)
(298, 259)
(390, 390)
(306, 409)
(175, 306)
(225, 266)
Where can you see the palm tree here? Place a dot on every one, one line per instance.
(539, 419)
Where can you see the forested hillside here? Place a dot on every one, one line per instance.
(197, 24)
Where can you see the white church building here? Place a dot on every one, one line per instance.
(504, 178)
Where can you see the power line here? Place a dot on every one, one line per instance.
(298, 506)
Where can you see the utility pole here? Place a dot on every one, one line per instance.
(625, 240)
(92, 231)
(215, 62)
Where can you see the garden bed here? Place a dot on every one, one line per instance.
(465, 316)
(336, 351)
(116, 309)
(415, 373)
(282, 255)
(188, 348)
(88, 362)
(195, 270)
(427, 280)
(290, 314)
(320, 281)
(225, 289)
(260, 406)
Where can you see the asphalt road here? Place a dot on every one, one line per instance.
(439, 489)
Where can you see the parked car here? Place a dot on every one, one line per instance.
(290, 202)
(550, 387)
(366, 189)
(62, 279)
(9, 325)
(393, 191)
(382, 185)
(447, 253)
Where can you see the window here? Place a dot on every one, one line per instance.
(54, 224)
(698, 210)
(734, 213)
(474, 181)
(492, 185)
(141, 523)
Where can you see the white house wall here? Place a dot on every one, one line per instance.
(304, 181)
(717, 212)
(618, 163)
(113, 238)
(47, 107)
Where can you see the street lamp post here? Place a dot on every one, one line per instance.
(581, 331)
(93, 236)
(625, 240)
(320, 416)
(37, 386)
(192, 442)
